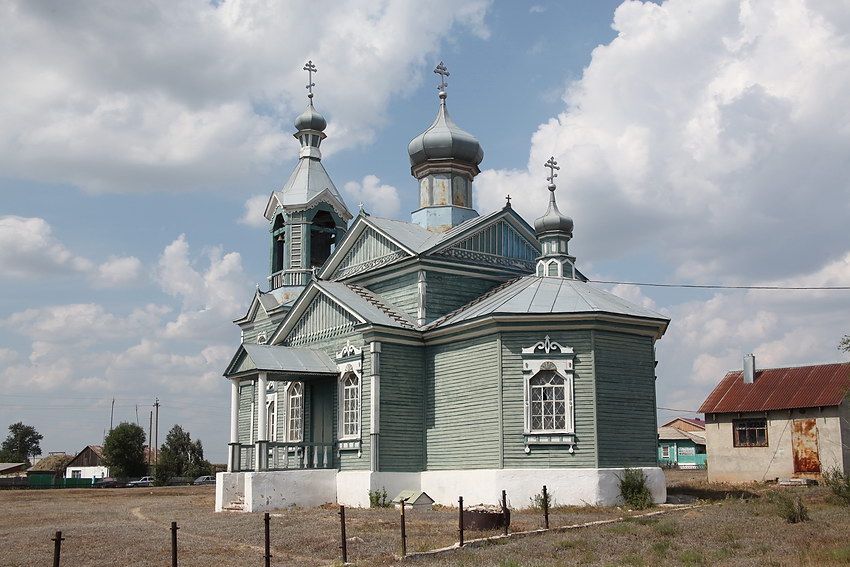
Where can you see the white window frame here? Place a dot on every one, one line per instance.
(665, 451)
(550, 357)
(295, 390)
(272, 410)
(350, 366)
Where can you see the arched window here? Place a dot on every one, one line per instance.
(350, 405)
(295, 411)
(553, 268)
(322, 238)
(547, 402)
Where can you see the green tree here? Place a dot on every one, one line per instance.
(21, 444)
(180, 456)
(124, 451)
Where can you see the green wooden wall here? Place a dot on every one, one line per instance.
(402, 408)
(401, 291)
(447, 292)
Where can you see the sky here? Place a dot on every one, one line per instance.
(700, 143)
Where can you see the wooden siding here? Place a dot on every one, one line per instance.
(625, 376)
(246, 398)
(462, 414)
(371, 249)
(323, 319)
(447, 292)
(402, 408)
(584, 388)
(401, 291)
(497, 244)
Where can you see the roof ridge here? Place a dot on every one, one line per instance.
(476, 301)
(373, 299)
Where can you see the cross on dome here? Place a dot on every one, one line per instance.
(310, 68)
(552, 165)
(443, 71)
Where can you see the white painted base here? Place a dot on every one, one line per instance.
(281, 489)
(575, 487)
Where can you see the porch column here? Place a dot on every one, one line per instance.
(262, 446)
(375, 424)
(233, 457)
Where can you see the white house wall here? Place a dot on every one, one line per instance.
(727, 463)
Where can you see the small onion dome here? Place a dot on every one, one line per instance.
(445, 140)
(553, 221)
(310, 119)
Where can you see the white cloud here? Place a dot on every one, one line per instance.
(255, 208)
(118, 272)
(28, 249)
(378, 199)
(187, 95)
(714, 130)
(7, 356)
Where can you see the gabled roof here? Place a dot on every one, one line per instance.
(692, 420)
(781, 388)
(271, 302)
(672, 434)
(545, 296)
(280, 360)
(308, 184)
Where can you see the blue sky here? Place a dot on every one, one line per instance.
(700, 142)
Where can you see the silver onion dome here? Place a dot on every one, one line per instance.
(310, 119)
(445, 140)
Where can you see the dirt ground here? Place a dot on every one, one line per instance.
(731, 526)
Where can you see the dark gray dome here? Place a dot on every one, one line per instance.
(310, 119)
(554, 221)
(445, 140)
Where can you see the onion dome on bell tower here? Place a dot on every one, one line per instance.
(554, 230)
(444, 158)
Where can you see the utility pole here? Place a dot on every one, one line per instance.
(156, 436)
(150, 438)
(112, 413)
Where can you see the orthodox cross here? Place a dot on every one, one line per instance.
(443, 72)
(508, 199)
(552, 165)
(310, 68)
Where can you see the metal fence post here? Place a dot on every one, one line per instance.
(344, 547)
(174, 529)
(545, 508)
(505, 514)
(268, 555)
(460, 520)
(57, 548)
(403, 534)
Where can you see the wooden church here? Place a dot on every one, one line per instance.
(455, 354)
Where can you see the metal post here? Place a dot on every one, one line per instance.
(403, 534)
(57, 548)
(344, 547)
(174, 529)
(545, 508)
(505, 514)
(460, 520)
(268, 555)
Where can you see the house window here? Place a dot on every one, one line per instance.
(749, 432)
(295, 406)
(76, 474)
(548, 397)
(350, 405)
(271, 417)
(665, 451)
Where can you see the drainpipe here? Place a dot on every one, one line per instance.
(261, 458)
(375, 424)
(421, 315)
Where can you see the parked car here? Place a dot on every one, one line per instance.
(108, 482)
(207, 479)
(144, 481)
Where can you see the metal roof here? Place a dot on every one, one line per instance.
(366, 304)
(308, 180)
(672, 433)
(780, 388)
(410, 235)
(272, 358)
(546, 295)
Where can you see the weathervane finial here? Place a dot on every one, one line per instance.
(443, 72)
(310, 68)
(552, 165)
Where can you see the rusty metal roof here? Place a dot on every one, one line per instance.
(781, 388)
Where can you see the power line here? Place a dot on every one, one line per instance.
(717, 286)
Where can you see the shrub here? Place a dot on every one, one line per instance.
(791, 509)
(634, 490)
(378, 498)
(537, 501)
(839, 483)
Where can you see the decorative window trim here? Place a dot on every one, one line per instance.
(290, 394)
(665, 451)
(349, 363)
(272, 413)
(262, 338)
(549, 356)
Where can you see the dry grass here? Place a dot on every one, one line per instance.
(738, 526)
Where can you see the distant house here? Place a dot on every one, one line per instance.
(46, 470)
(88, 464)
(681, 443)
(778, 422)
